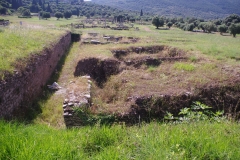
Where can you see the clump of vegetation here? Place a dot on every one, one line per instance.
(184, 66)
(151, 68)
(197, 112)
(88, 118)
(193, 59)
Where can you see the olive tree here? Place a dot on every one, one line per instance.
(234, 29)
(158, 22)
(58, 15)
(222, 28)
(67, 14)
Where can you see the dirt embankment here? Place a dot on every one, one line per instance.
(18, 91)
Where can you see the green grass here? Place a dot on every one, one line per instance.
(50, 22)
(202, 140)
(184, 66)
(18, 43)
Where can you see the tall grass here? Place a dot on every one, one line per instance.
(201, 140)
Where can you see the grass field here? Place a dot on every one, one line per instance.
(50, 22)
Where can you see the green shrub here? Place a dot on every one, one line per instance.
(24, 17)
(197, 112)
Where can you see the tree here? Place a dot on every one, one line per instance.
(46, 15)
(169, 24)
(15, 4)
(40, 2)
(26, 13)
(58, 15)
(49, 9)
(189, 27)
(78, 12)
(141, 13)
(67, 14)
(3, 10)
(210, 26)
(222, 29)
(34, 2)
(158, 22)
(88, 15)
(202, 26)
(234, 29)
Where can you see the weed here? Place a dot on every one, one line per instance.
(88, 118)
(184, 66)
(193, 58)
(152, 68)
(197, 112)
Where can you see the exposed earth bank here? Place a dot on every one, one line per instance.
(19, 90)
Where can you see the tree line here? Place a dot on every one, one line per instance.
(229, 24)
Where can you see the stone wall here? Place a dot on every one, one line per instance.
(18, 91)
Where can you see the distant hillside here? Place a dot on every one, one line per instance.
(207, 9)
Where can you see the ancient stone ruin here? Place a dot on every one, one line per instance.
(148, 106)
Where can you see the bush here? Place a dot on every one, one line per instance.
(24, 17)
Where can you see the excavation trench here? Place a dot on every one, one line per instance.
(125, 88)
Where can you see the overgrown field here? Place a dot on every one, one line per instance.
(202, 140)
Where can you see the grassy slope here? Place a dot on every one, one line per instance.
(19, 42)
(202, 140)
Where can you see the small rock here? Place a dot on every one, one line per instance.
(87, 95)
(70, 104)
(188, 93)
(54, 86)
(66, 101)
